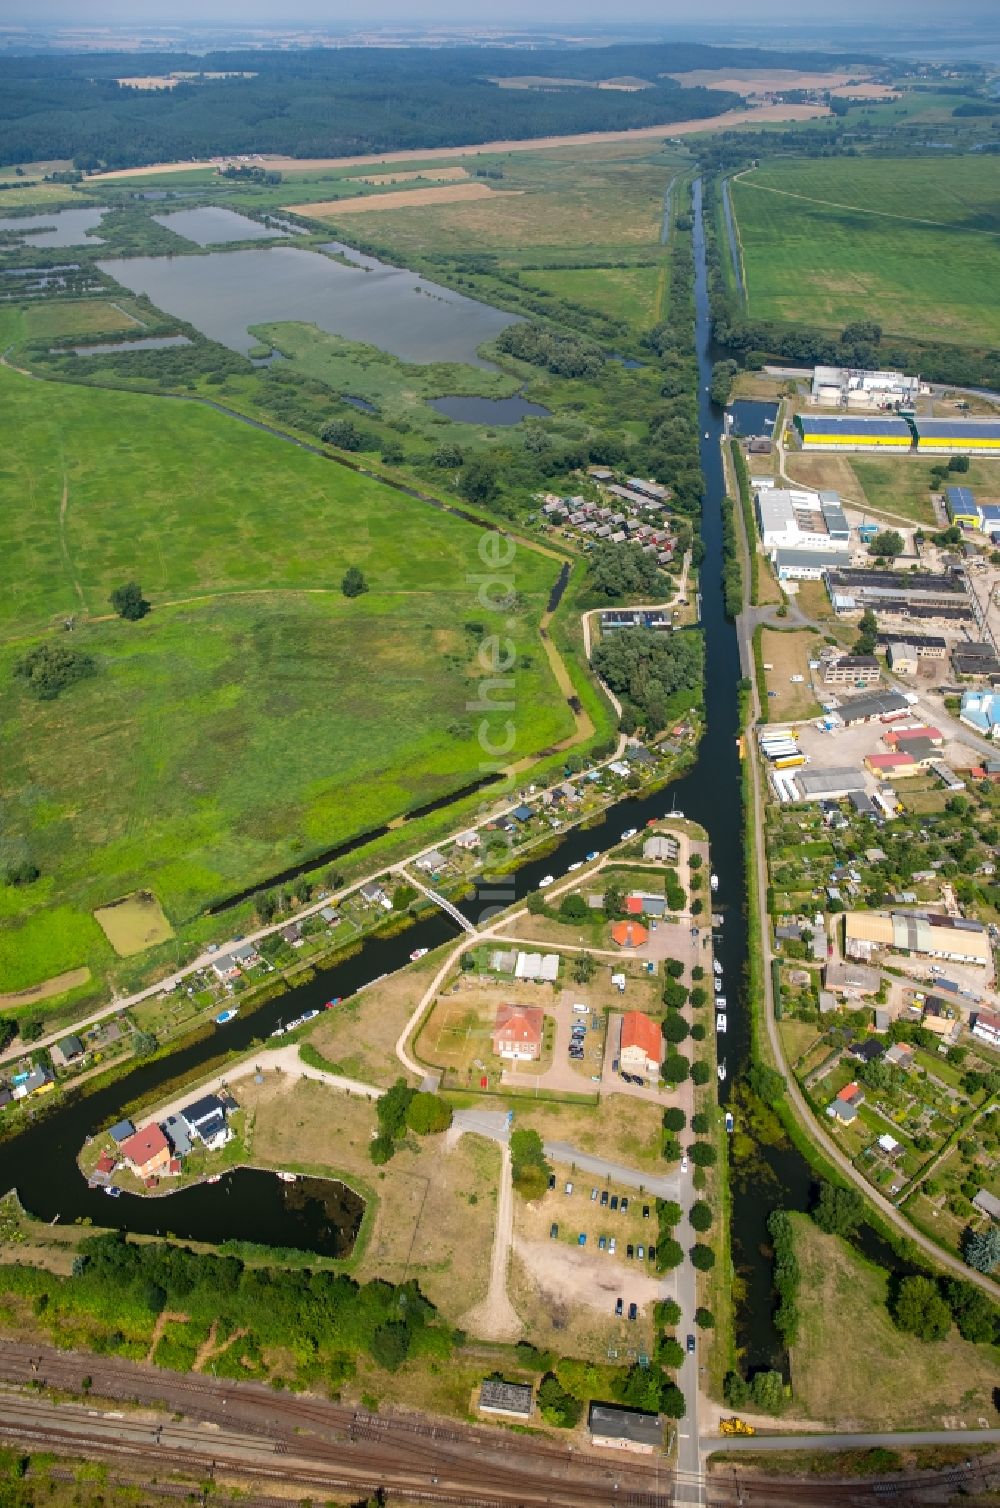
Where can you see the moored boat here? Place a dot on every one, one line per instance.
(227, 1015)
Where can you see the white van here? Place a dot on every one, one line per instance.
(581, 1010)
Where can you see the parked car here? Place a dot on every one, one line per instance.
(553, 1231)
(604, 1199)
(684, 1164)
(690, 1345)
(581, 1239)
(612, 1246)
(552, 1180)
(624, 1204)
(619, 1306)
(614, 1201)
(645, 1212)
(633, 1312)
(593, 1193)
(602, 1243)
(651, 1253)
(630, 1251)
(640, 1252)
(569, 1188)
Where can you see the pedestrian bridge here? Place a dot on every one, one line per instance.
(439, 900)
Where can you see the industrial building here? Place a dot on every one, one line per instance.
(808, 565)
(901, 659)
(853, 432)
(951, 938)
(962, 507)
(850, 387)
(872, 706)
(975, 658)
(981, 710)
(793, 517)
(853, 670)
(828, 785)
(924, 646)
(907, 592)
(958, 436)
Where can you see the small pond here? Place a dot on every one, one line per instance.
(57, 227)
(223, 293)
(141, 343)
(750, 417)
(489, 411)
(210, 225)
(361, 403)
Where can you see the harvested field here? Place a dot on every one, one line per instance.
(406, 199)
(421, 175)
(789, 653)
(134, 923)
(724, 122)
(57, 985)
(750, 80)
(830, 473)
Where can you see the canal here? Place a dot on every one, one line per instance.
(41, 1161)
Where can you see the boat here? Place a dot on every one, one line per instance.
(730, 1122)
(279, 1031)
(309, 1015)
(718, 986)
(546, 881)
(628, 833)
(113, 1191)
(288, 1177)
(717, 918)
(572, 868)
(336, 1000)
(706, 434)
(720, 1021)
(713, 880)
(418, 953)
(593, 854)
(227, 1015)
(716, 965)
(720, 1002)
(215, 1178)
(721, 1071)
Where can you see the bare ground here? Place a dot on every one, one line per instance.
(447, 193)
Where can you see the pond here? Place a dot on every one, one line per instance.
(210, 225)
(57, 227)
(223, 293)
(141, 343)
(247, 1204)
(489, 411)
(749, 417)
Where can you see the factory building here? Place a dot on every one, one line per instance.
(898, 591)
(851, 670)
(958, 436)
(795, 518)
(853, 433)
(850, 387)
(962, 507)
(808, 565)
(924, 646)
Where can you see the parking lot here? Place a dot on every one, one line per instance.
(566, 1072)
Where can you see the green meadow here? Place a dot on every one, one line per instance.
(911, 242)
(256, 716)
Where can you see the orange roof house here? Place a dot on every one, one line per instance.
(633, 905)
(629, 934)
(517, 1031)
(147, 1152)
(641, 1043)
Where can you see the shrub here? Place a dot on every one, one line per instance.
(557, 1406)
(704, 1319)
(428, 1113)
(128, 602)
(673, 1027)
(919, 1309)
(838, 1211)
(353, 583)
(49, 668)
(700, 1072)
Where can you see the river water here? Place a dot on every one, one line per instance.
(41, 1163)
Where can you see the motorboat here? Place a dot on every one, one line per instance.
(629, 832)
(215, 1178)
(336, 999)
(721, 1071)
(227, 1015)
(113, 1191)
(730, 1122)
(716, 965)
(417, 954)
(713, 880)
(572, 868)
(546, 881)
(717, 918)
(288, 1177)
(720, 1002)
(720, 1021)
(279, 1031)
(594, 853)
(718, 986)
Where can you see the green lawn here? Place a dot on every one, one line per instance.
(626, 293)
(902, 485)
(257, 715)
(909, 242)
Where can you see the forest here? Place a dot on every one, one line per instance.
(329, 102)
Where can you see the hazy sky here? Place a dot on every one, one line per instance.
(564, 13)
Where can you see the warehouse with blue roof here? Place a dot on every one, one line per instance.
(958, 436)
(852, 432)
(962, 507)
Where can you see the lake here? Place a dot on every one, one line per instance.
(223, 293)
(491, 411)
(750, 416)
(209, 225)
(57, 227)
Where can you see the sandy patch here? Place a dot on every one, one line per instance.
(150, 81)
(406, 199)
(134, 923)
(571, 1275)
(427, 175)
(749, 80)
(866, 91)
(724, 122)
(49, 987)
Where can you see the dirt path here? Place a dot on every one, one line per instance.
(64, 544)
(163, 1319)
(721, 122)
(57, 985)
(495, 1318)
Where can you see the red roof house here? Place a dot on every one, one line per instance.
(629, 934)
(147, 1152)
(105, 1164)
(641, 1043)
(517, 1031)
(633, 905)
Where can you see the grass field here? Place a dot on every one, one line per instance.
(789, 653)
(86, 316)
(902, 486)
(256, 715)
(626, 293)
(909, 242)
(866, 1373)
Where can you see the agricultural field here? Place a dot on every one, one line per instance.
(220, 738)
(907, 242)
(868, 1374)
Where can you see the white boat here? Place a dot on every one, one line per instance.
(572, 868)
(713, 880)
(720, 1002)
(417, 954)
(716, 965)
(721, 1071)
(112, 1191)
(215, 1178)
(279, 1031)
(628, 833)
(730, 1122)
(546, 881)
(288, 1177)
(717, 918)
(720, 1021)
(718, 986)
(309, 1015)
(706, 434)
(593, 854)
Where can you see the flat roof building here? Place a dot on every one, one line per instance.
(962, 507)
(926, 646)
(853, 432)
(792, 564)
(901, 659)
(853, 387)
(624, 1429)
(511, 1398)
(865, 709)
(819, 785)
(851, 670)
(954, 436)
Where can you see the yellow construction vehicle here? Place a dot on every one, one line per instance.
(735, 1426)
